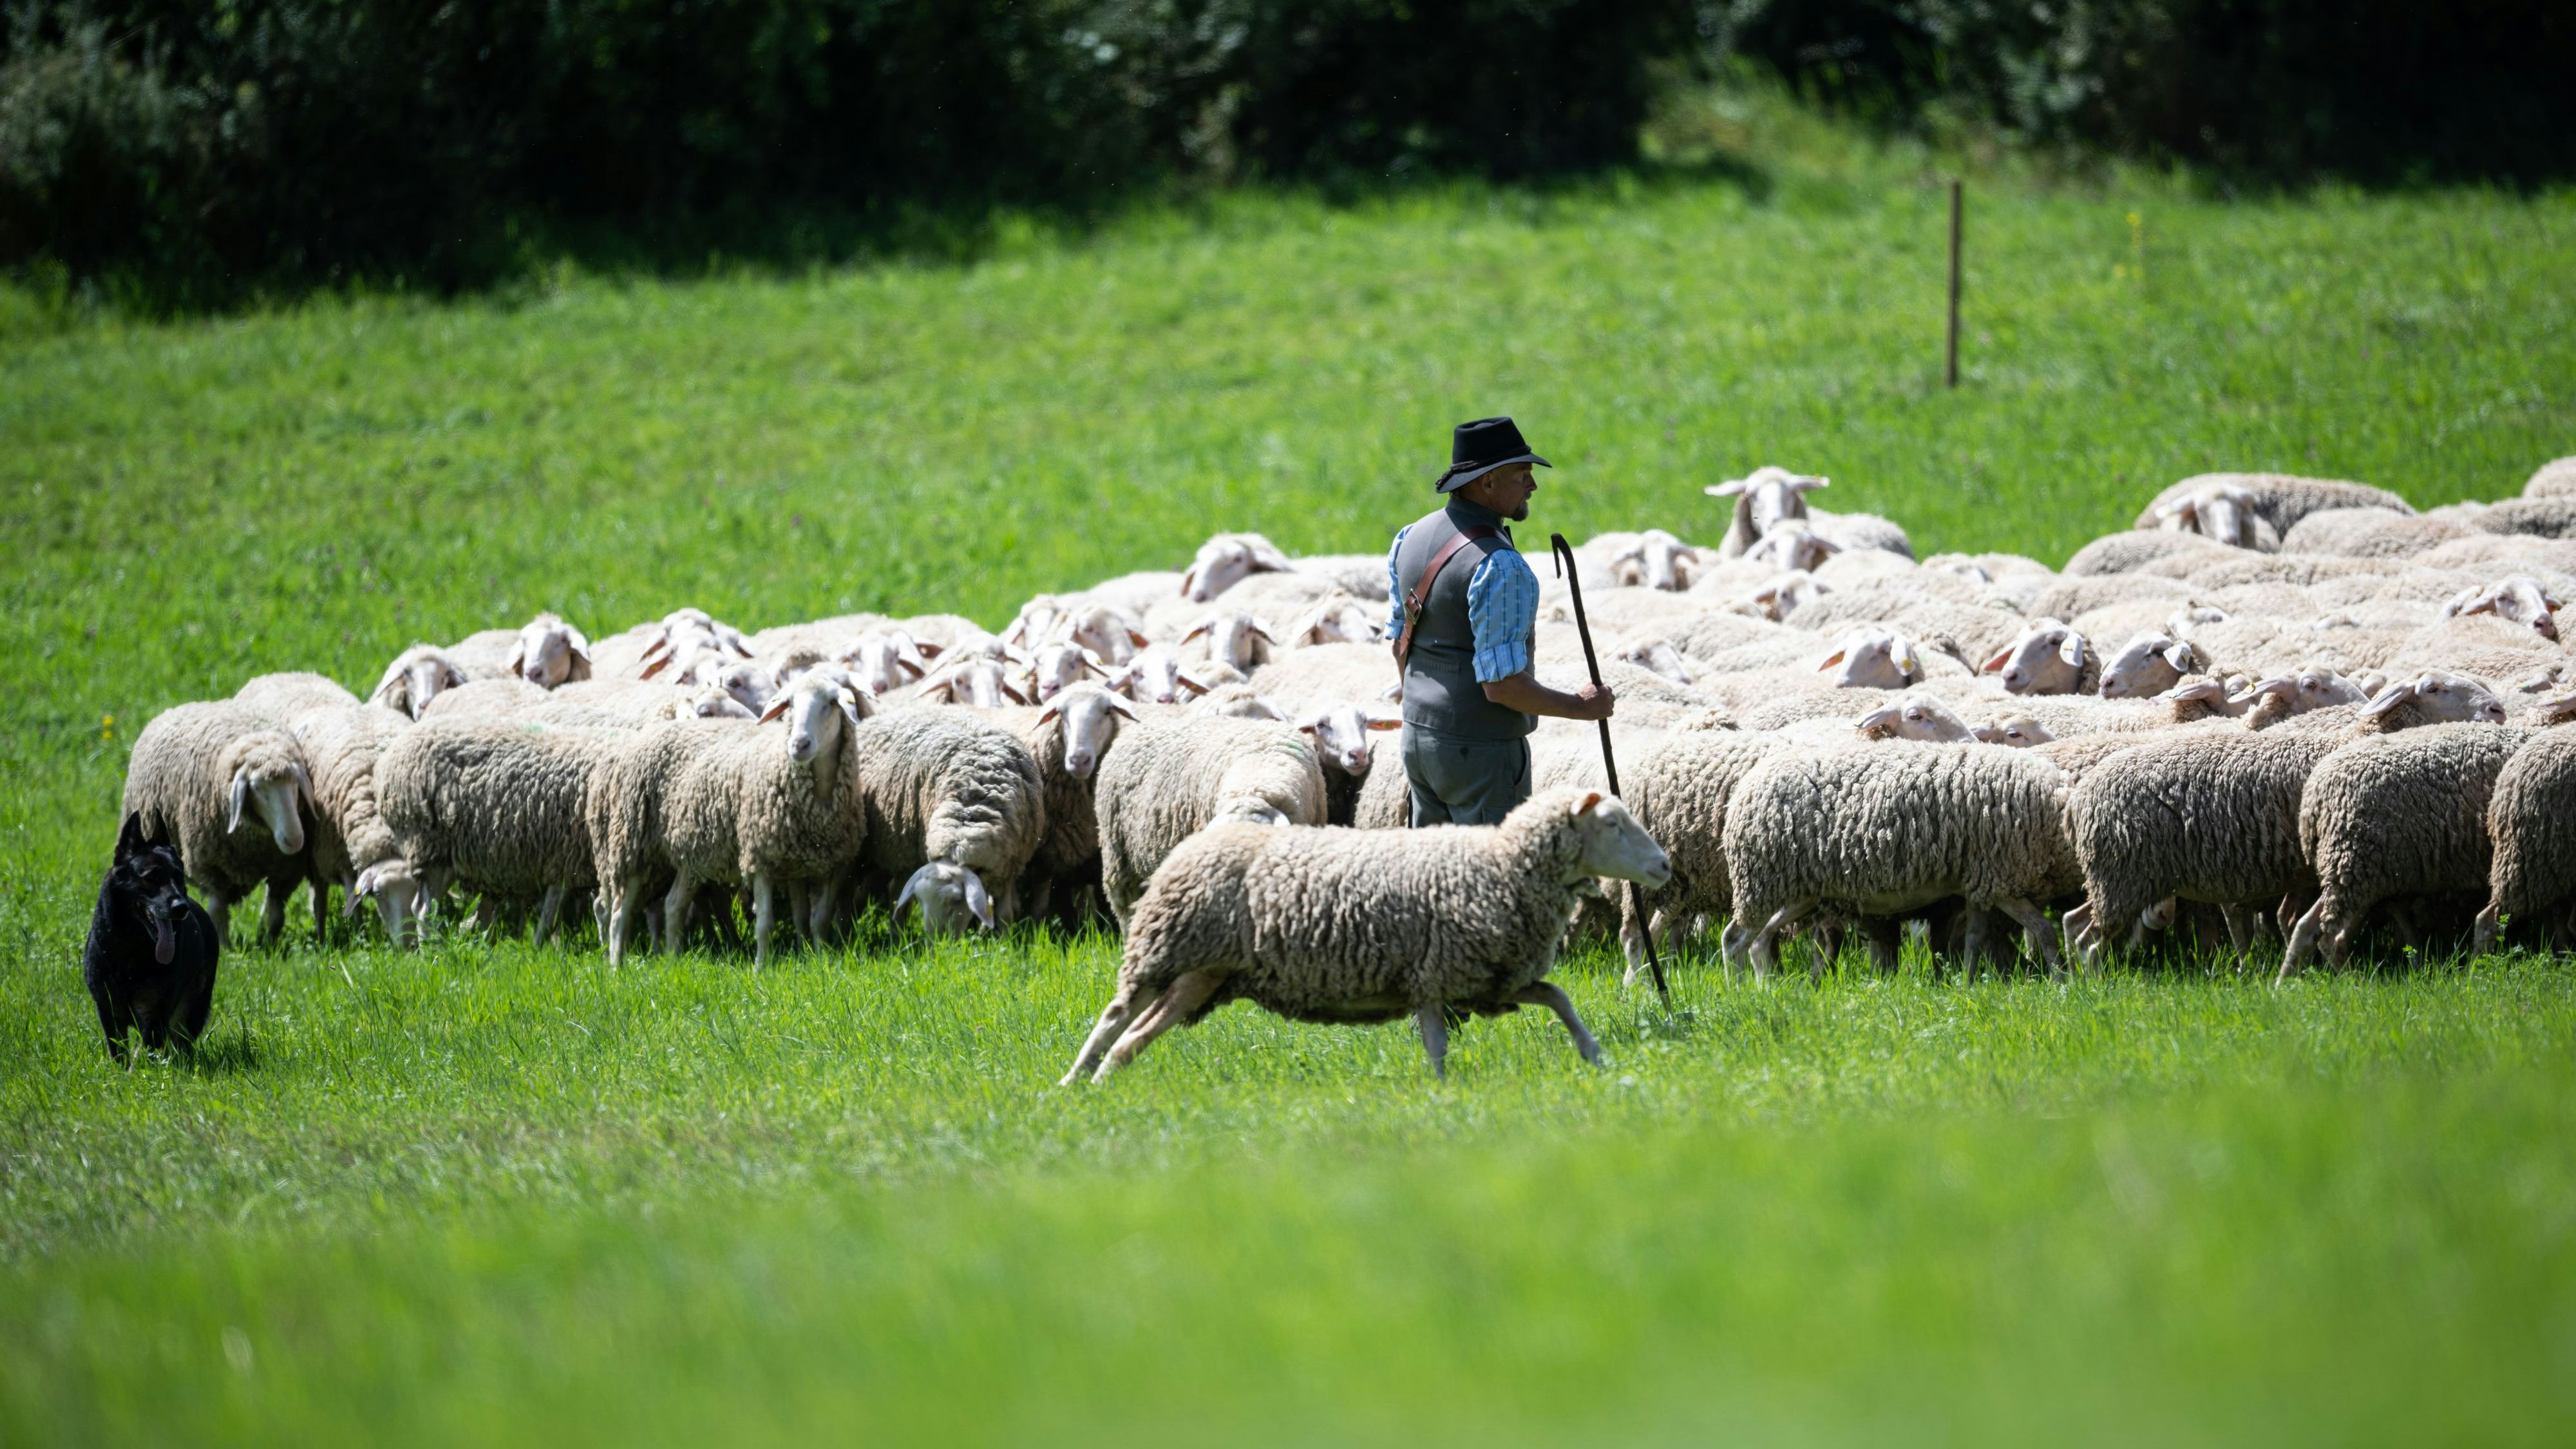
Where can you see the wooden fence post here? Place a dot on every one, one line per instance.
(1950, 367)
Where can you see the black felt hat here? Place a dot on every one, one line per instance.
(1478, 448)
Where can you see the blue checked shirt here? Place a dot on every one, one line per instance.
(1502, 610)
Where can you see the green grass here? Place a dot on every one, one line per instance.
(492, 1193)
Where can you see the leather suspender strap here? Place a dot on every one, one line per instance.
(1422, 587)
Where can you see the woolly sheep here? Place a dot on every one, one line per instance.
(2396, 816)
(2149, 664)
(1367, 926)
(722, 803)
(1920, 717)
(1170, 777)
(283, 697)
(2370, 533)
(1226, 560)
(349, 837)
(1772, 495)
(1679, 790)
(2279, 499)
(415, 678)
(954, 803)
(1067, 740)
(2553, 479)
(2047, 657)
(2221, 511)
(1327, 672)
(1892, 829)
(2549, 516)
(2534, 863)
(494, 806)
(200, 773)
(2521, 599)
(1342, 733)
(2485, 645)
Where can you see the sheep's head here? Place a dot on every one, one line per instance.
(2223, 512)
(1658, 656)
(2437, 696)
(550, 652)
(2014, 731)
(1874, 656)
(2521, 599)
(1340, 733)
(1110, 633)
(415, 678)
(395, 890)
(2149, 664)
(1155, 676)
(750, 683)
(1961, 565)
(1791, 544)
(1234, 637)
(2047, 658)
(1089, 717)
(816, 711)
(1662, 561)
(976, 680)
(714, 702)
(952, 898)
(1056, 668)
(885, 659)
(272, 786)
(2201, 696)
(1609, 841)
(1228, 559)
(1037, 621)
(1784, 593)
(1766, 496)
(1340, 619)
(1916, 717)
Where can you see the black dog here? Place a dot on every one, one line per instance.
(152, 951)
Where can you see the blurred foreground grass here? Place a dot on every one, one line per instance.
(504, 1194)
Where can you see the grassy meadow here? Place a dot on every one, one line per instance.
(493, 1193)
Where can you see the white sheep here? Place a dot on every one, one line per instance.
(285, 697)
(349, 838)
(415, 678)
(1226, 560)
(2047, 657)
(494, 805)
(2224, 512)
(1368, 926)
(953, 802)
(2279, 499)
(1771, 495)
(2534, 867)
(1171, 776)
(199, 774)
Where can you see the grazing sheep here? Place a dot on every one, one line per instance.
(495, 806)
(2400, 815)
(349, 835)
(1892, 829)
(1367, 926)
(733, 804)
(1679, 791)
(953, 802)
(415, 678)
(1169, 778)
(2279, 499)
(2528, 819)
(198, 775)
(2370, 533)
(282, 697)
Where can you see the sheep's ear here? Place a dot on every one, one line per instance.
(304, 781)
(1137, 637)
(2001, 658)
(1591, 800)
(1201, 627)
(1189, 683)
(2179, 656)
(2388, 699)
(393, 691)
(979, 900)
(1808, 485)
(240, 800)
(1727, 489)
(1264, 631)
(1119, 706)
(776, 708)
(1385, 722)
(1014, 693)
(1830, 661)
(2071, 649)
(1310, 727)
(1190, 581)
(1907, 661)
(518, 655)
(928, 648)
(904, 897)
(657, 666)
(1052, 714)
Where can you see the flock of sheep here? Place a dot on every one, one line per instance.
(2276, 700)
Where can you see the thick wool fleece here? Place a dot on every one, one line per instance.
(1895, 827)
(180, 781)
(343, 747)
(286, 697)
(2532, 821)
(945, 784)
(2125, 553)
(2402, 815)
(1338, 925)
(1678, 791)
(2281, 499)
(1169, 777)
(2209, 817)
(496, 804)
(737, 807)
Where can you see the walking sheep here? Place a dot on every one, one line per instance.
(1367, 926)
(199, 774)
(494, 806)
(1170, 777)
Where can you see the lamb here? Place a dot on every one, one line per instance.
(282, 697)
(2534, 864)
(1891, 829)
(495, 806)
(349, 837)
(2279, 499)
(199, 772)
(953, 802)
(415, 678)
(2396, 816)
(1771, 495)
(722, 803)
(1362, 926)
(1067, 740)
(1169, 778)
(2370, 533)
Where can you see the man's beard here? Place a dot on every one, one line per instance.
(1520, 514)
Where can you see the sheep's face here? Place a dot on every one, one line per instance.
(273, 794)
(1658, 656)
(2048, 658)
(549, 652)
(885, 660)
(1916, 717)
(816, 711)
(953, 899)
(1611, 843)
(414, 679)
(1793, 545)
(2521, 599)
(2014, 731)
(1037, 621)
(1056, 668)
(1342, 621)
(1090, 718)
(1155, 676)
(748, 683)
(1341, 736)
(1873, 658)
(1106, 632)
(1786, 592)
(2435, 697)
(2224, 513)
(1224, 561)
(1665, 562)
(983, 683)
(395, 890)
(1234, 638)
(1768, 495)
(2309, 689)
(2147, 665)
(713, 703)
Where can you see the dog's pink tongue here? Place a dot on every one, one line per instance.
(163, 943)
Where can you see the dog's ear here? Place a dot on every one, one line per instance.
(130, 840)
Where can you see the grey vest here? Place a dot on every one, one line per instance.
(1441, 691)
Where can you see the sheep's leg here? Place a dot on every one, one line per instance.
(2303, 940)
(1435, 1036)
(764, 910)
(320, 890)
(1177, 1001)
(1633, 930)
(2077, 927)
(219, 905)
(2485, 938)
(1764, 949)
(1734, 947)
(625, 899)
(2241, 925)
(1553, 997)
(675, 911)
(1974, 943)
(1113, 1019)
(1886, 936)
(272, 913)
(1826, 948)
(2034, 928)
(818, 908)
(547, 909)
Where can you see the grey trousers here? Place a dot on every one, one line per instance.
(1458, 781)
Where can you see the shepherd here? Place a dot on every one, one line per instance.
(1465, 623)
